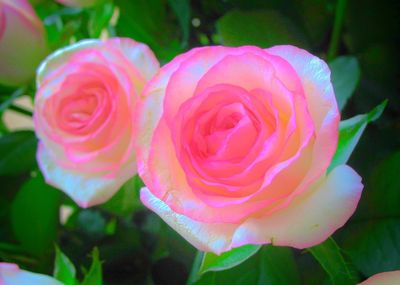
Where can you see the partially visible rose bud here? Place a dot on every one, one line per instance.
(384, 278)
(22, 42)
(79, 3)
(11, 274)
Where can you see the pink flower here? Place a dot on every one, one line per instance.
(22, 42)
(83, 115)
(384, 278)
(79, 3)
(10, 274)
(234, 144)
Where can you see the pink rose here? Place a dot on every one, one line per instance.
(384, 278)
(22, 42)
(79, 3)
(83, 115)
(10, 274)
(234, 146)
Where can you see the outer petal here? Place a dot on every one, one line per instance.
(308, 221)
(85, 189)
(140, 55)
(318, 90)
(384, 278)
(311, 218)
(59, 57)
(206, 237)
(10, 274)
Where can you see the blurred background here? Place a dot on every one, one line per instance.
(358, 38)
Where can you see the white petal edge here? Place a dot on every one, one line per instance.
(10, 274)
(307, 221)
(85, 189)
(59, 57)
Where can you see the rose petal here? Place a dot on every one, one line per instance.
(384, 278)
(205, 237)
(311, 218)
(85, 189)
(59, 57)
(308, 221)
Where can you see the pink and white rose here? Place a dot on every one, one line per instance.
(84, 112)
(234, 146)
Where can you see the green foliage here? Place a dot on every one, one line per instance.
(270, 265)
(345, 76)
(350, 132)
(64, 269)
(142, 19)
(278, 266)
(136, 246)
(34, 215)
(373, 246)
(99, 19)
(94, 276)
(126, 200)
(382, 180)
(263, 28)
(17, 152)
(229, 259)
(330, 257)
(182, 11)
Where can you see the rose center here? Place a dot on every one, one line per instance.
(79, 112)
(227, 134)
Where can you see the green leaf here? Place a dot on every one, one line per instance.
(263, 28)
(384, 179)
(271, 265)
(193, 276)
(146, 21)
(350, 131)
(34, 215)
(94, 276)
(229, 259)
(277, 266)
(373, 246)
(99, 19)
(329, 256)
(17, 152)
(243, 274)
(181, 9)
(64, 269)
(345, 76)
(316, 17)
(126, 200)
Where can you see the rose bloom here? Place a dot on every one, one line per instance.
(10, 274)
(22, 42)
(234, 146)
(83, 115)
(384, 278)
